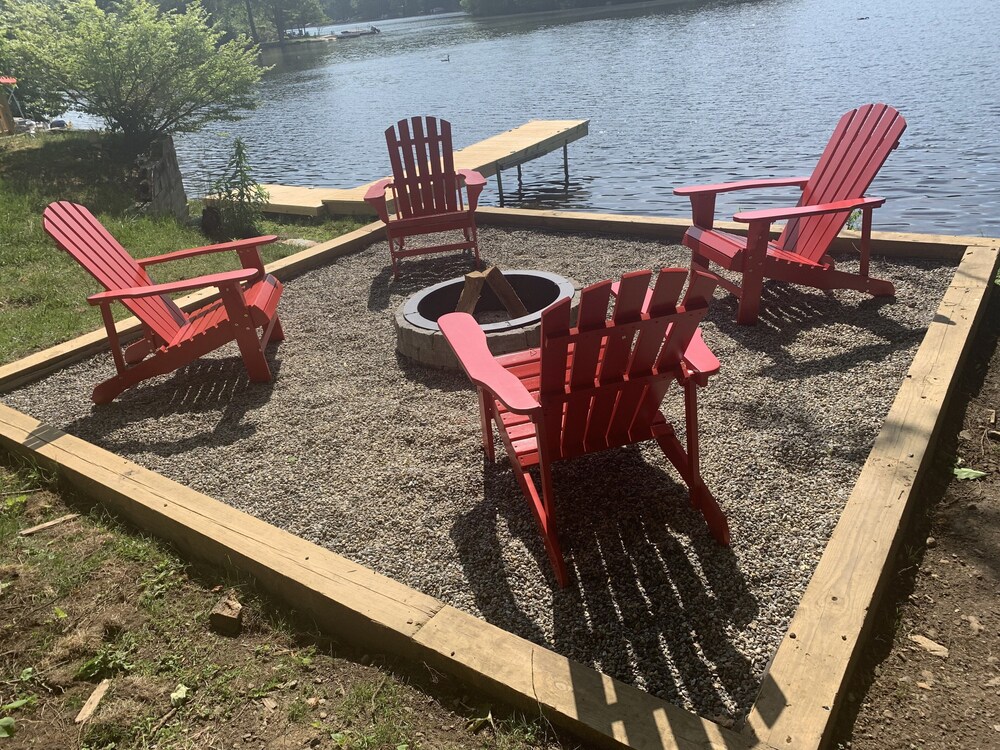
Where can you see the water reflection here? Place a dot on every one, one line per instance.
(676, 94)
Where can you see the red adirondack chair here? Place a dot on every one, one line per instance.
(860, 144)
(426, 190)
(596, 386)
(172, 339)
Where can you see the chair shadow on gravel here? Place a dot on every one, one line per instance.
(416, 274)
(787, 311)
(637, 595)
(435, 378)
(197, 391)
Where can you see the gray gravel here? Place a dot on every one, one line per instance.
(379, 460)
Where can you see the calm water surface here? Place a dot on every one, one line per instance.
(676, 94)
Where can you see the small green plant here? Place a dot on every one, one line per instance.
(111, 659)
(7, 722)
(854, 220)
(239, 198)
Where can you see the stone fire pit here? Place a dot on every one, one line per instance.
(419, 337)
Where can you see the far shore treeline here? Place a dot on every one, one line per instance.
(266, 20)
(269, 21)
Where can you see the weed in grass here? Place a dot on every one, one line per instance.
(7, 723)
(164, 576)
(298, 709)
(372, 717)
(112, 658)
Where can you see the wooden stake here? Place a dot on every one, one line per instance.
(48, 524)
(91, 705)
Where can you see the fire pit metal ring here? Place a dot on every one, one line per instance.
(419, 337)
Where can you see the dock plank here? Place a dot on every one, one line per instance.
(502, 151)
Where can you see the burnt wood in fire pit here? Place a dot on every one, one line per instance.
(501, 288)
(419, 338)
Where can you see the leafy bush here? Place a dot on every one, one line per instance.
(147, 72)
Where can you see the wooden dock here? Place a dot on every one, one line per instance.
(510, 149)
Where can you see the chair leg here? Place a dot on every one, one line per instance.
(245, 333)
(395, 258)
(474, 239)
(543, 508)
(277, 332)
(688, 463)
(749, 307)
(107, 391)
(253, 355)
(485, 419)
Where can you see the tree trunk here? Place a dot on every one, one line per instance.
(253, 26)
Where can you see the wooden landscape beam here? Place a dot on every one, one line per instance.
(889, 244)
(804, 685)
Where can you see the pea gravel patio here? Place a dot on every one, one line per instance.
(378, 459)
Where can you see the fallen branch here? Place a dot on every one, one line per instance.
(159, 725)
(48, 524)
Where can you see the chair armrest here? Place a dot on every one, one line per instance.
(468, 342)
(700, 360)
(474, 184)
(215, 279)
(252, 242)
(375, 196)
(726, 187)
(773, 214)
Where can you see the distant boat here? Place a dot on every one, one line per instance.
(352, 33)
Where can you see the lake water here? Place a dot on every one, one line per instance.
(676, 94)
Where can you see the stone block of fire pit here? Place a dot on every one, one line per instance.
(419, 338)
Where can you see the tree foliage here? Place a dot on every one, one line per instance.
(34, 96)
(146, 72)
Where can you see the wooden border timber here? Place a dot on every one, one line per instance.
(669, 229)
(362, 606)
(803, 687)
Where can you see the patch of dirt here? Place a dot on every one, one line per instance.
(86, 601)
(932, 680)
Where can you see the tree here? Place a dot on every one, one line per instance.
(146, 73)
(36, 96)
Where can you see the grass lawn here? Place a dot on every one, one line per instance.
(88, 600)
(43, 296)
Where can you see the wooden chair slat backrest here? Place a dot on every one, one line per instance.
(859, 146)
(616, 367)
(616, 356)
(423, 167)
(582, 365)
(650, 341)
(79, 233)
